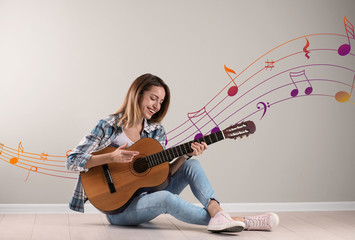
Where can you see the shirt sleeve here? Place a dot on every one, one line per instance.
(79, 156)
(160, 136)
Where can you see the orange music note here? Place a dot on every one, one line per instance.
(343, 96)
(32, 169)
(14, 160)
(1, 147)
(345, 48)
(44, 156)
(234, 89)
(68, 152)
(198, 114)
(305, 49)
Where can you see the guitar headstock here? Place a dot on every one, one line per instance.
(239, 130)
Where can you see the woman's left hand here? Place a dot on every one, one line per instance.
(198, 148)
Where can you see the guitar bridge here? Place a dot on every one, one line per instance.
(108, 178)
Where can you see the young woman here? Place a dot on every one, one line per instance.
(144, 107)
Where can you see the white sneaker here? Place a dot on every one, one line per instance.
(222, 222)
(264, 222)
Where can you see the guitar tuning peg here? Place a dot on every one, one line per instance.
(236, 139)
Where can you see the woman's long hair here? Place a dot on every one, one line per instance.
(130, 109)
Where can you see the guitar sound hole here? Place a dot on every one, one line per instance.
(140, 165)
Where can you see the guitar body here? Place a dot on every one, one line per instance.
(127, 183)
(112, 187)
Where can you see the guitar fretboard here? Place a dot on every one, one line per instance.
(177, 151)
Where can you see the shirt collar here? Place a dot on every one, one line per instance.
(149, 127)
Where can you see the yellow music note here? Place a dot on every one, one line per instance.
(343, 96)
(14, 160)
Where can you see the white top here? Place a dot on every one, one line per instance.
(122, 139)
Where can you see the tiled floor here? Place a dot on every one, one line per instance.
(293, 225)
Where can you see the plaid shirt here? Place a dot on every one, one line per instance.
(101, 137)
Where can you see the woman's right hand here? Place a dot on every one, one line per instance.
(121, 155)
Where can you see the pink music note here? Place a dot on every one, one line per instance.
(200, 113)
(308, 90)
(14, 160)
(32, 169)
(232, 91)
(345, 48)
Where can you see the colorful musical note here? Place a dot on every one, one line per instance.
(269, 65)
(67, 153)
(265, 107)
(306, 50)
(308, 90)
(32, 169)
(198, 114)
(44, 156)
(14, 160)
(1, 148)
(232, 91)
(343, 96)
(344, 49)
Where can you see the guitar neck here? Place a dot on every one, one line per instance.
(169, 154)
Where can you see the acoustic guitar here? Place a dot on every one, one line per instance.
(112, 187)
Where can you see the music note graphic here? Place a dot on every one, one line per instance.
(67, 153)
(269, 64)
(14, 160)
(198, 114)
(345, 48)
(295, 91)
(265, 107)
(44, 156)
(1, 148)
(232, 91)
(343, 96)
(32, 169)
(306, 50)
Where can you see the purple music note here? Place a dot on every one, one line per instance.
(265, 107)
(344, 49)
(200, 113)
(295, 91)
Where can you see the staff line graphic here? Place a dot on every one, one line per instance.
(278, 88)
(261, 70)
(285, 71)
(53, 175)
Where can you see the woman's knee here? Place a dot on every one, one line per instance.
(192, 164)
(166, 199)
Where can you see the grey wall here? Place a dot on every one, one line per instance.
(66, 64)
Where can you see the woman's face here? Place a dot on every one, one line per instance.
(151, 101)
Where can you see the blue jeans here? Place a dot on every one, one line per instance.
(146, 207)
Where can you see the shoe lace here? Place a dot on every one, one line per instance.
(260, 221)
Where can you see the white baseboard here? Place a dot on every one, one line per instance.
(228, 207)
